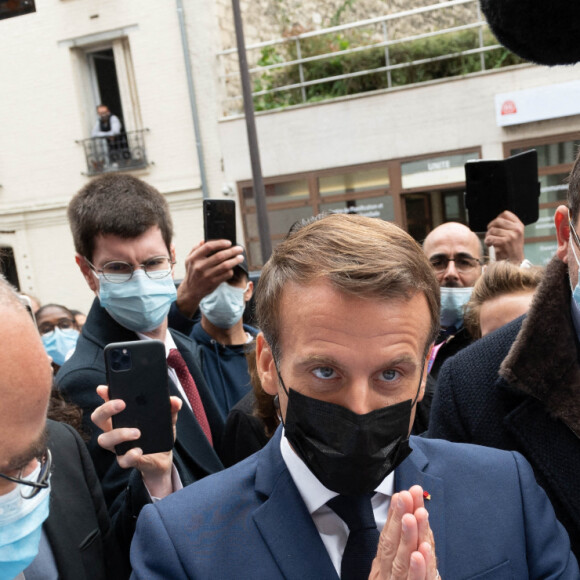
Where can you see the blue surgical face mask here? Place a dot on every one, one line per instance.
(59, 343)
(225, 305)
(141, 304)
(20, 528)
(453, 301)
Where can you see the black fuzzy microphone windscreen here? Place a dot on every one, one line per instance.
(539, 31)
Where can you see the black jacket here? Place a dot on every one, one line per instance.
(78, 526)
(519, 389)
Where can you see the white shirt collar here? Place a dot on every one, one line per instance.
(169, 342)
(313, 493)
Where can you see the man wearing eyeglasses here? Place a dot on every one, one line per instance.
(518, 388)
(53, 519)
(456, 254)
(122, 231)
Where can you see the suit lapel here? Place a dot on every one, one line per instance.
(413, 472)
(284, 522)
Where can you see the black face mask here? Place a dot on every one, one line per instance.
(348, 453)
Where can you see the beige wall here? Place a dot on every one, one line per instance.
(47, 106)
(438, 117)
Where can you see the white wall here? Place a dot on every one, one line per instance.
(433, 118)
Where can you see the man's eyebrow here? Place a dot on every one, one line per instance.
(36, 449)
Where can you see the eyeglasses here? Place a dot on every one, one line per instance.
(63, 324)
(41, 481)
(118, 272)
(462, 263)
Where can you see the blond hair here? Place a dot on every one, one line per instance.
(498, 279)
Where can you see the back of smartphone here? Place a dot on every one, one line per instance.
(137, 373)
(219, 219)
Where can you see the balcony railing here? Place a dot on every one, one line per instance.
(122, 152)
(442, 40)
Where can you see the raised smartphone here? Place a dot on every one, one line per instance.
(219, 219)
(137, 373)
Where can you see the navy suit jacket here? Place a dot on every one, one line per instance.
(489, 517)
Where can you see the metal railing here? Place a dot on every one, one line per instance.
(384, 33)
(118, 153)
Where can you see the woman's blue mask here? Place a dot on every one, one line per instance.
(141, 304)
(59, 343)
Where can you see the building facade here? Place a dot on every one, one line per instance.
(396, 153)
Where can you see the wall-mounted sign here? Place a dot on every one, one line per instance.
(538, 104)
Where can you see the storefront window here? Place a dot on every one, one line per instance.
(436, 170)
(379, 207)
(279, 192)
(353, 182)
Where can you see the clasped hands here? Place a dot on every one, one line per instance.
(406, 545)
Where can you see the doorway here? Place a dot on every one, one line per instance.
(104, 81)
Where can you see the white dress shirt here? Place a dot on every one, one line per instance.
(332, 529)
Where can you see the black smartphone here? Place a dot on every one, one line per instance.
(494, 186)
(219, 219)
(137, 373)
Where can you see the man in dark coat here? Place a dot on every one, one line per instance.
(122, 231)
(519, 387)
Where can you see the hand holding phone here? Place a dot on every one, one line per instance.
(137, 374)
(155, 468)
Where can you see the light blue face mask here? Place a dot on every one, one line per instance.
(59, 343)
(453, 301)
(20, 528)
(141, 304)
(224, 306)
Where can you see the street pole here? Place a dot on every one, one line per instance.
(259, 191)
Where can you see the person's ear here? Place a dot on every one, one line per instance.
(249, 292)
(88, 274)
(425, 373)
(172, 256)
(265, 365)
(562, 232)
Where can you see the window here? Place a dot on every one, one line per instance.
(361, 190)
(105, 75)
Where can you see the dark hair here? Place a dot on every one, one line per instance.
(46, 306)
(119, 204)
(362, 256)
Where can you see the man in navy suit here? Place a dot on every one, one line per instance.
(349, 309)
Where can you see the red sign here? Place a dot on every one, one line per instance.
(509, 108)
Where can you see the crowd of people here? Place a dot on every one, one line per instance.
(333, 439)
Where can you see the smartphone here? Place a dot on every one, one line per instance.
(494, 186)
(219, 219)
(137, 373)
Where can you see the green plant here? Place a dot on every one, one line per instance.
(447, 49)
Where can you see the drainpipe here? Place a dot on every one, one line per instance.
(192, 100)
